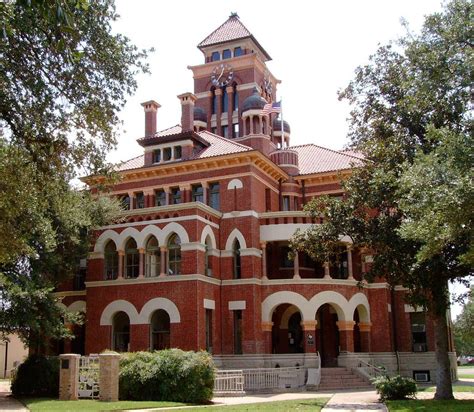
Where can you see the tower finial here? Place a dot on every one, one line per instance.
(233, 14)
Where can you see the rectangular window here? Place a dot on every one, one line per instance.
(157, 156)
(225, 131)
(160, 198)
(235, 130)
(209, 330)
(140, 199)
(177, 152)
(214, 196)
(198, 193)
(418, 331)
(226, 54)
(286, 203)
(175, 196)
(167, 153)
(216, 56)
(237, 332)
(238, 52)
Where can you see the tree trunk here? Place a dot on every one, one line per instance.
(444, 389)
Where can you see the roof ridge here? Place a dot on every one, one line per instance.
(225, 139)
(128, 160)
(232, 17)
(168, 128)
(327, 148)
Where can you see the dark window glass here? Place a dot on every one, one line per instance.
(225, 131)
(286, 203)
(238, 51)
(160, 330)
(214, 102)
(237, 332)
(237, 261)
(235, 102)
(226, 54)
(209, 330)
(166, 153)
(418, 331)
(285, 261)
(214, 130)
(174, 255)
(125, 200)
(207, 260)
(110, 261)
(175, 196)
(152, 258)
(140, 200)
(198, 193)
(80, 279)
(121, 332)
(157, 156)
(216, 56)
(214, 196)
(177, 152)
(131, 259)
(160, 198)
(339, 264)
(225, 100)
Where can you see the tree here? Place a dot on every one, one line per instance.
(410, 112)
(64, 76)
(464, 328)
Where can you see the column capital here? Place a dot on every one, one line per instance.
(263, 244)
(267, 326)
(309, 324)
(121, 252)
(141, 250)
(365, 326)
(345, 325)
(218, 92)
(163, 249)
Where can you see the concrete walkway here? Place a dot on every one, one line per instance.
(7, 403)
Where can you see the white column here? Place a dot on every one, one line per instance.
(327, 275)
(349, 263)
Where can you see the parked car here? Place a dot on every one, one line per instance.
(465, 360)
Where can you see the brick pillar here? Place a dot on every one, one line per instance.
(346, 335)
(267, 336)
(187, 110)
(364, 329)
(296, 267)
(121, 254)
(309, 335)
(151, 108)
(109, 376)
(68, 376)
(141, 262)
(163, 250)
(264, 260)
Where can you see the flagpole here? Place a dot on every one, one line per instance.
(282, 129)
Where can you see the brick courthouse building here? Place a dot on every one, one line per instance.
(200, 260)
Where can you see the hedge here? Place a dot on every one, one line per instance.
(37, 376)
(395, 388)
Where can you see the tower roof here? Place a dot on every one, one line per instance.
(232, 29)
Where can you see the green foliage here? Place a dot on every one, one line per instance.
(168, 375)
(395, 388)
(464, 328)
(37, 376)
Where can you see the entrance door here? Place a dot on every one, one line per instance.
(327, 336)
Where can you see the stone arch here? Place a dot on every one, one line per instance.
(119, 306)
(129, 232)
(235, 234)
(171, 228)
(77, 306)
(159, 303)
(150, 230)
(336, 300)
(359, 301)
(291, 310)
(235, 184)
(278, 298)
(104, 238)
(207, 231)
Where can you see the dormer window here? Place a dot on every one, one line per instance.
(177, 152)
(226, 54)
(216, 56)
(238, 51)
(166, 154)
(157, 156)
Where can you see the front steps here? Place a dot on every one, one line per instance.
(341, 378)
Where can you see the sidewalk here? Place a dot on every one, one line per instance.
(7, 403)
(354, 402)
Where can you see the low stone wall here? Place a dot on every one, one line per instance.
(308, 360)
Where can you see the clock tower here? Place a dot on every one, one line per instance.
(233, 72)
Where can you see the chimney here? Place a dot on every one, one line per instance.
(187, 111)
(150, 107)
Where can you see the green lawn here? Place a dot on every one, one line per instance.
(53, 405)
(465, 376)
(430, 406)
(456, 388)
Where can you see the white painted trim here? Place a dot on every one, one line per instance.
(234, 282)
(70, 293)
(251, 252)
(389, 307)
(359, 301)
(290, 310)
(309, 281)
(119, 306)
(77, 306)
(235, 234)
(235, 184)
(237, 305)
(159, 303)
(95, 255)
(270, 215)
(240, 213)
(412, 309)
(158, 221)
(269, 233)
(207, 231)
(209, 304)
(171, 145)
(275, 299)
(336, 300)
(165, 279)
(193, 246)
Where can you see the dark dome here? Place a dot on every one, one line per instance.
(254, 102)
(277, 126)
(200, 114)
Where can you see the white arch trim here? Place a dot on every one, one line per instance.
(235, 234)
(119, 306)
(279, 298)
(336, 300)
(77, 306)
(357, 301)
(207, 231)
(156, 304)
(104, 238)
(174, 227)
(129, 232)
(145, 234)
(290, 311)
(235, 184)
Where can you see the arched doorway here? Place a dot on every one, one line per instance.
(160, 330)
(287, 333)
(121, 332)
(327, 335)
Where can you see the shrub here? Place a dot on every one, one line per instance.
(37, 376)
(167, 375)
(395, 388)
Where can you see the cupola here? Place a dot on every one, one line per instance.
(200, 119)
(279, 137)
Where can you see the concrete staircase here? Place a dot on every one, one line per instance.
(341, 378)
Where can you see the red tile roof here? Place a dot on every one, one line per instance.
(231, 29)
(317, 159)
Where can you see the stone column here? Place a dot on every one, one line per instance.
(244, 124)
(364, 329)
(121, 254)
(205, 192)
(296, 267)
(346, 335)
(230, 105)
(109, 376)
(131, 195)
(141, 262)
(327, 275)
(68, 376)
(267, 333)
(264, 260)
(163, 250)
(251, 124)
(260, 122)
(309, 335)
(350, 271)
(218, 93)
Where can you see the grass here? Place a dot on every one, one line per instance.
(456, 388)
(430, 406)
(466, 375)
(55, 405)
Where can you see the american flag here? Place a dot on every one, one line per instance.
(272, 108)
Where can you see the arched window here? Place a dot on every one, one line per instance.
(236, 259)
(207, 260)
(215, 56)
(121, 332)
(110, 261)
(152, 258)
(131, 259)
(225, 100)
(213, 101)
(238, 51)
(174, 255)
(160, 330)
